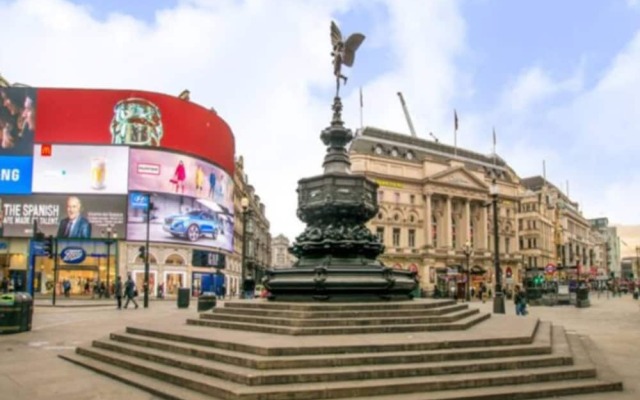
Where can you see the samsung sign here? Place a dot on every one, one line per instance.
(73, 255)
(15, 174)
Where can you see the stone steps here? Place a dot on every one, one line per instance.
(341, 389)
(306, 374)
(459, 324)
(451, 316)
(504, 358)
(540, 346)
(379, 313)
(323, 346)
(338, 307)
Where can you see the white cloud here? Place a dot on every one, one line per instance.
(256, 63)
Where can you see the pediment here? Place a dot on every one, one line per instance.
(459, 176)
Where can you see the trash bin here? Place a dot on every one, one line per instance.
(16, 312)
(206, 301)
(184, 295)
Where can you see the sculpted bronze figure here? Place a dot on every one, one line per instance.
(344, 52)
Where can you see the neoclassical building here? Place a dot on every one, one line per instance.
(281, 258)
(435, 199)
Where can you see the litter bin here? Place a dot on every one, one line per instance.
(16, 312)
(206, 301)
(184, 295)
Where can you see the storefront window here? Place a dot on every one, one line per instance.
(173, 281)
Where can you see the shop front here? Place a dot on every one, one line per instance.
(208, 273)
(83, 267)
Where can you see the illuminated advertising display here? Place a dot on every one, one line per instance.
(165, 172)
(135, 118)
(80, 169)
(15, 174)
(180, 219)
(17, 121)
(64, 216)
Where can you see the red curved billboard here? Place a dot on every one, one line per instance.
(137, 118)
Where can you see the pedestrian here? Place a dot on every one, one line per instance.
(129, 292)
(520, 300)
(103, 290)
(4, 286)
(249, 287)
(118, 291)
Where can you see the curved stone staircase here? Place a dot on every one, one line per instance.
(424, 349)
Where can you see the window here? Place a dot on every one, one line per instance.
(396, 237)
(394, 152)
(521, 243)
(409, 155)
(507, 243)
(380, 234)
(412, 198)
(412, 238)
(434, 231)
(378, 150)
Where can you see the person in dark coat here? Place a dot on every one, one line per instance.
(129, 292)
(249, 287)
(118, 291)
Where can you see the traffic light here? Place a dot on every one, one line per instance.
(47, 246)
(538, 280)
(142, 252)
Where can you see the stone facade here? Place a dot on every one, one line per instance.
(433, 200)
(280, 256)
(432, 203)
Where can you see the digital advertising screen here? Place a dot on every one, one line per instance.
(157, 171)
(17, 120)
(174, 218)
(80, 169)
(64, 216)
(133, 118)
(15, 174)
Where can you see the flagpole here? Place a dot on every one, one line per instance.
(495, 155)
(361, 109)
(455, 134)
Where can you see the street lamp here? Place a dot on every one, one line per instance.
(468, 251)
(498, 299)
(146, 252)
(244, 203)
(111, 237)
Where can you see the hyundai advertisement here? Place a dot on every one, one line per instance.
(180, 219)
(64, 216)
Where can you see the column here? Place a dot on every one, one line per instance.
(447, 223)
(428, 234)
(466, 222)
(483, 235)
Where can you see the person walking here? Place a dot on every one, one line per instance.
(520, 300)
(129, 292)
(118, 291)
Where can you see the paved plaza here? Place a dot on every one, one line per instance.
(30, 368)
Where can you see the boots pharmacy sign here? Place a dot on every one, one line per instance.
(73, 255)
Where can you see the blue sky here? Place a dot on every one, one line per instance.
(558, 79)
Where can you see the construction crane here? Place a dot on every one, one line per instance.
(406, 115)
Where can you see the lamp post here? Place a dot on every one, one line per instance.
(637, 262)
(498, 299)
(111, 237)
(244, 203)
(468, 250)
(146, 252)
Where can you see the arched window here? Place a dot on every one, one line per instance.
(174, 259)
(152, 259)
(409, 155)
(453, 231)
(434, 231)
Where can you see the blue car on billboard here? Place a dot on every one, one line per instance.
(193, 225)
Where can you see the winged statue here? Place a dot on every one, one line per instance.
(344, 52)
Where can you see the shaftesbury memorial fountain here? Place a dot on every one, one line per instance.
(337, 254)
